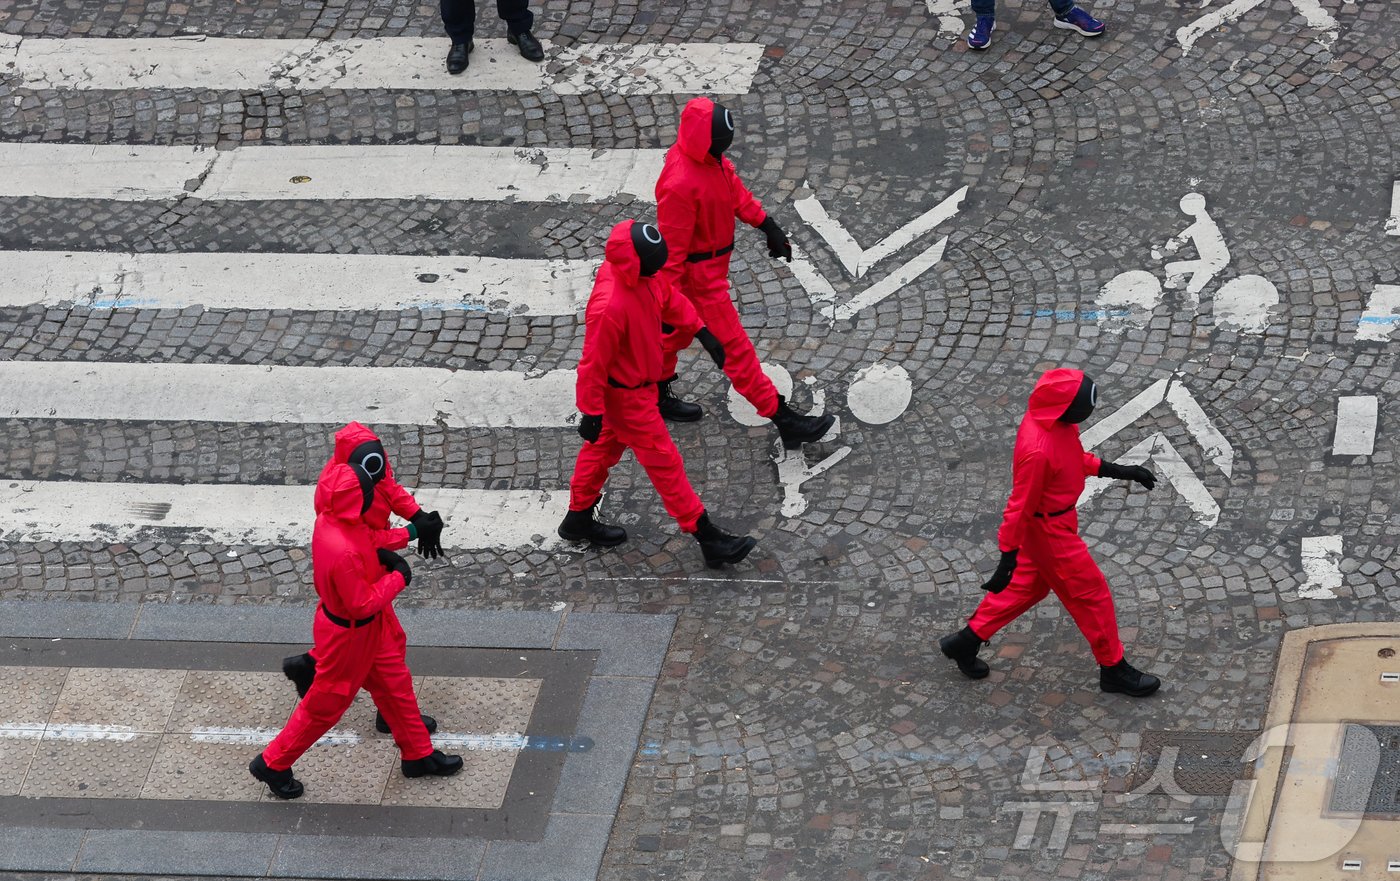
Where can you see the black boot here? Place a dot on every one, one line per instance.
(382, 725)
(796, 429)
(580, 526)
(459, 56)
(673, 408)
(1124, 678)
(437, 763)
(530, 48)
(301, 669)
(962, 647)
(282, 783)
(718, 546)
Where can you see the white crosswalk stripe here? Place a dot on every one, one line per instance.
(312, 282)
(258, 393)
(235, 514)
(450, 173)
(205, 62)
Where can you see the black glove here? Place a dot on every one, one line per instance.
(1128, 472)
(1002, 577)
(712, 345)
(428, 525)
(394, 563)
(589, 427)
(778, 244)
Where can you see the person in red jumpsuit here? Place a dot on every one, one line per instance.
(358, 644)
(623, 351)
(1039, 538)
(698, 196)
(358, 444)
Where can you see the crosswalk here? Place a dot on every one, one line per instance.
(504, 178)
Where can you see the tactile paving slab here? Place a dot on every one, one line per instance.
(83, 768)
(129, 699)
(1368, 771)
(1207, 762)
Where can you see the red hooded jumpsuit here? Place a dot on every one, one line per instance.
(368, 654)
(697, 199)
(1041, 521)
(622, 359)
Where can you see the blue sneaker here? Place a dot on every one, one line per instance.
(981, 36)
(1077, 20)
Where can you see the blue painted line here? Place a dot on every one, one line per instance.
(1378, 319)
(574, 744)
(1077, 314)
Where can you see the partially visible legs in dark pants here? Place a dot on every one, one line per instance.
(459, 17)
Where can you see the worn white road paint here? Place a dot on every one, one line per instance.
(857, 260)
(264, 736)
(1172, 468)
(1356, 425)
(880, 393)
(387, 171)
(743, 412)
(1392, 223)
(1322, 567)
(263, 394)
(1381, 315)
(274, 516)
(1246, 303)
(948, 14)
(1311, 10)
(793, 472)
(823, 295)
(1216, 448)
(310, 282)
(237, 64)
(1205, 236)
(41, 731)
(1128, 299)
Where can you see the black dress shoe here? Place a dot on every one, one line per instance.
(459, 56)
(382, 725)
(282, 783)
(530, 48)
(436, 763)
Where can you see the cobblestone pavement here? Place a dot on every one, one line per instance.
(805, 725)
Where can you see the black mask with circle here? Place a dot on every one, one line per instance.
(370, 465)
(651, 248)
(721, 131)
(1083, 404)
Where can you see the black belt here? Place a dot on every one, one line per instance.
(345, 622)
(1055, 513)
(615, 384)
(701, 256)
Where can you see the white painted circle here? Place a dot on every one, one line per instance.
(1244, 303)
(1135, 288)
(744, 412)
(880, 393)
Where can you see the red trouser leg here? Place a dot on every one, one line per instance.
(343, 659)
(594, 462)
(1080, 585)
(391, 685)
(706, 284)
(997, 610)
(639, 425)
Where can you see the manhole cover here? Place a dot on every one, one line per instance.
(1207, 763)
(1368, 771)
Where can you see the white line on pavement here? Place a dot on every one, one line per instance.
(1381, 314)
(1356, 426)
(41, 731)
(232, 63)
(276, 516)
(446, 172)
(298, 395)
(1322, 558)
(310, 282)
(1392, 223)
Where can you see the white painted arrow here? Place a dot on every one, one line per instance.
(1156, 447)
(857, 260)
(1311, 10)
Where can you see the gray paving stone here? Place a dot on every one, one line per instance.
(483, 629)
(614, 711)
(205, 623)
(326, 856)
(74, 620)
(176, 853)
(38, 850)
(631, 645)
(571, 850)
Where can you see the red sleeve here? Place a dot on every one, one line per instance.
(746, 207)
(1091, 464)
(675, 217)
(677, 311)
(393, 539)
(401, 501)
(360, 597)
(600, 340)
(1027, 483)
